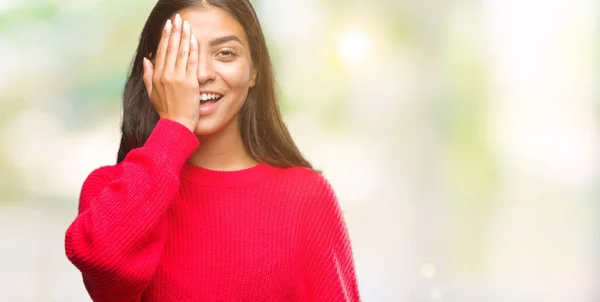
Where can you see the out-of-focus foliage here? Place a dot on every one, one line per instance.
(461, 137)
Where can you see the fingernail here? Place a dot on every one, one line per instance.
(168, 25)
(177, 19)
(193, 40)
(186, 27)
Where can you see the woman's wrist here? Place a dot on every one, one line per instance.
(188, 124)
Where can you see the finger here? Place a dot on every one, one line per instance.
(173, 48)
(148, 72)
(192, 63)
(161, 51)
(184, 49)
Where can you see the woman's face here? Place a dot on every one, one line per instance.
(224, 66)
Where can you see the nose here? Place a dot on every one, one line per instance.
(206, 68)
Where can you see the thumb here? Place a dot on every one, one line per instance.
(148, 72)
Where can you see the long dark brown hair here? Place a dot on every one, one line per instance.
(263, 132)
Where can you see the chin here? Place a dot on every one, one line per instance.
(205, 129)
(208, 126)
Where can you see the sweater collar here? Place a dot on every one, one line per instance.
(206, 177)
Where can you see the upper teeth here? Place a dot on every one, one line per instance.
(209, 96)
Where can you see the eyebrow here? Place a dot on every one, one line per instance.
(225, 39)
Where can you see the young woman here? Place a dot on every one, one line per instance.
(210, 200)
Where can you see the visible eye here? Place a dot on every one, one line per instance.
(226, 53)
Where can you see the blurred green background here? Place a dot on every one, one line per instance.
(461, 137)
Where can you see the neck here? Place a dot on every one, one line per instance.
(223, 150)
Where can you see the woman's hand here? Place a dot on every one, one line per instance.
(172, 83)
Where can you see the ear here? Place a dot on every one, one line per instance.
(253, 77)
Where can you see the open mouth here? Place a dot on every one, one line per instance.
(207, 98)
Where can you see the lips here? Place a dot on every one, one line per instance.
(209, 102)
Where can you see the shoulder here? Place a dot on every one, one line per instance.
(103, 174)
(96, 181)
(307, 180)
(310, 189)
(319, 209)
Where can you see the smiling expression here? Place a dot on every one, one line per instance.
(225, 69)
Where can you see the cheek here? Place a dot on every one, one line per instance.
(236, 76)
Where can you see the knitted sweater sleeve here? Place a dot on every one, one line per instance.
(118, 236)
(327, 262)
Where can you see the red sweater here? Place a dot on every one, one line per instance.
(155, 228)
